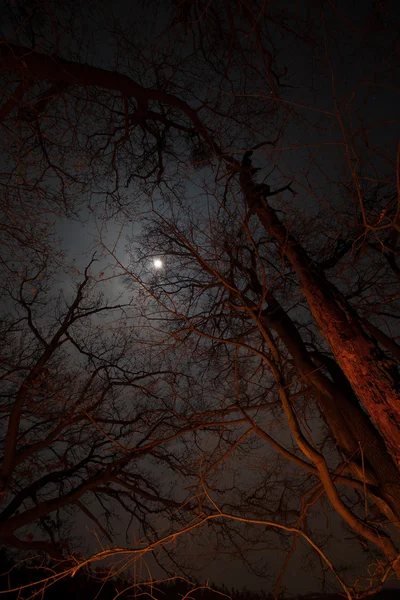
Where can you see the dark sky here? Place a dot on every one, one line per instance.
(346, 65)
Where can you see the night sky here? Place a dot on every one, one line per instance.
(125, 232)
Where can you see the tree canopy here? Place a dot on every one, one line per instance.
(216, 370)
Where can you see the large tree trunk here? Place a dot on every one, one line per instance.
(358, 355)
(353, 431)
(355, 435)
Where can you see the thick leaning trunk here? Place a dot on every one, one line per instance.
(359, 357)
(350, 426)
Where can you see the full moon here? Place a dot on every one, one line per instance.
(158, 263)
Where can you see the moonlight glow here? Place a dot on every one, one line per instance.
(158, 263)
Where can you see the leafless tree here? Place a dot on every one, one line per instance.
(87, 415)
(280, 279)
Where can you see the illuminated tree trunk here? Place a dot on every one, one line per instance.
(358, 355)
(353, 431)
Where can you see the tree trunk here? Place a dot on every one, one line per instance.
(359, 357)
(353, 431)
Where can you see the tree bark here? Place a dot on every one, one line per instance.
(353, 431)
(359, 357)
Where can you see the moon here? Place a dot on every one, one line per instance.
(158, 263)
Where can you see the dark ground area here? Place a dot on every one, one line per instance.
(20, 579)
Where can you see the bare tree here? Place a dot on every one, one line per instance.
(222, 284)
(87, 415)
(280, 256)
